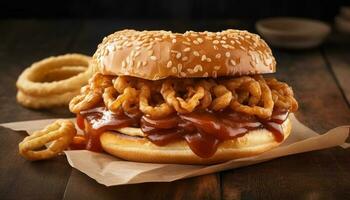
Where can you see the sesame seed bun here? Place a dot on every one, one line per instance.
(157, 55)
(141, 150)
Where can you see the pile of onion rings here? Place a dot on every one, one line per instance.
(253, 95)
(53, 81)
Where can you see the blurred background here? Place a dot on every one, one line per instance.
(170, 9)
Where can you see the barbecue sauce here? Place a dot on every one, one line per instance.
(202, 130)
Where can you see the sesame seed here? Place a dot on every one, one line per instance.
(227, 54)
(217, 67)
(215, 47)
(178, 55)
(233, 62)
(195, 42)
(182, 74)
(200, 40)
(186, 43)
(198, 68)
(170, 64)
(173, 51)
(179, 67)
(203, 58)
(225, 46)
(208, 59)
(153, 58)
(187, 49)
(195, 53)
(173, 40)
(223, 42)
(218, 56)
(184, 58)
(215, 74)
(174, 70)
(190, 70)
(216, 42)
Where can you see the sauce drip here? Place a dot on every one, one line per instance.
(100, 120)
(202, 130)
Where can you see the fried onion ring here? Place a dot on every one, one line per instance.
(53, 81)
(223, 97)
(263, 97)
(90, 94)
(60, 134)
(157, 111)
(187, 105)
(282, 94)
(246, 94)
(128, 95)
(30, 79)
(45, 101)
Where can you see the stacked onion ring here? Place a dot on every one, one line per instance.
(53, 81)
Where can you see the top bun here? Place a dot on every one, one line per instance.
(155, 55)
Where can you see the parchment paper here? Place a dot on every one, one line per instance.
(109, 170)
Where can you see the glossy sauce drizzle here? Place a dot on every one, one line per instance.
(202, 130)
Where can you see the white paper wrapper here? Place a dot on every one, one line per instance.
(109, 170)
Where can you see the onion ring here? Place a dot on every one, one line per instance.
(158, 111)
(282, 94)
(45, 102)
(129, 94)
(91, 94)
(53, 81)
(264, 111)
(187, 105)
(27, 81)
(246, 94)
(60, 134)
(223, 97)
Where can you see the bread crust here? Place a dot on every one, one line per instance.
(155, 55)
(141, 150)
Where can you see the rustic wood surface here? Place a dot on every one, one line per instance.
(320, 78)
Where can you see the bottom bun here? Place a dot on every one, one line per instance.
(142, 150)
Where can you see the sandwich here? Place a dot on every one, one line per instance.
(191, 98)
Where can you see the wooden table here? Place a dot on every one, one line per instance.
(320, 78)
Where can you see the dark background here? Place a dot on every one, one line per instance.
(170, 9)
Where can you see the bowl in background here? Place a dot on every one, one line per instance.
(293, 33)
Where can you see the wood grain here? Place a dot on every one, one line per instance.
(22, 43)
(337, 54)
(319, 174)
(204, 187)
